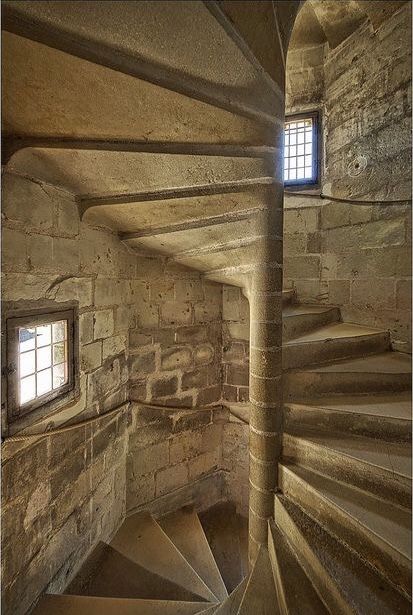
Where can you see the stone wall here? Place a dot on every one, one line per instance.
(61, 494)
(236, 335)
(176, 340)
(148, 330)
(174, 458)
(356, 257)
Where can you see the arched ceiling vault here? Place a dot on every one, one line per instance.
(159, 117)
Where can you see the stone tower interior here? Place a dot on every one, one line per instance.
(206, 307)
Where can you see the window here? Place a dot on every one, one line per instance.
(301, 159)
(40, 360)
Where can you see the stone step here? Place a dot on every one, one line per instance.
(387, 417)
(185, 530)
(300, 319)
(295, 593)
(108, 573)
(260, 597)
(143, 541)
(332, 343)
(227, 537)
(231, 604)
(381, 468)
(346, 584)
(383, 372)
(92, 605)
(378, 531)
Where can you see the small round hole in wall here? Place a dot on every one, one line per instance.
(357, 166)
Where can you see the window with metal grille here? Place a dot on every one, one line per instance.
(40, 360)
(301, 160)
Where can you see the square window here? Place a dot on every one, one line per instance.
(40, 357)
(301, 160)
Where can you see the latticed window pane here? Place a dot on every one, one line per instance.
(300, 155)
(43, 359)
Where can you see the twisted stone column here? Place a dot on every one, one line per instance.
(265, 296)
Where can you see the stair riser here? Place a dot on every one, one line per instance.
(312, 566)
(319, 352)
(378, 481)
(384, 428)
(294, 326)
(276, 573)
(299, 386)
(388, 562)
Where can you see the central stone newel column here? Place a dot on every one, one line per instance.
(265, 296)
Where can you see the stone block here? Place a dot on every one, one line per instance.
(239, 330)
(124, 318)
(14, 250)
(74, 288)
(162, 290)
(237, 374)
(103, 380)
(230, 393)
(189, 290)
(204, 354)
(231, 303)
(164, 386)
(113, 346)
(381, 294)
(139, 492)
(303, 220)
(381, 233)
(24, 470)
(209, 395)
(91, 356)
(185, 446)
(208, 311)
(191, 419)
(66, 255)
(404, 294)
(67, 216)
(191, 334)
(339, 292)
(149, 459)
(296, 243)
(138, 339)
(40, 251)
(103, 324)
(176, 313)
(195, 380)
(142, 363)
(176, 358)
(204, 464)
(28, 202)
(172, 478)
(299, 267)
(86, 328)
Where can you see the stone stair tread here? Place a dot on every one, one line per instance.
(347, 584)
(222, 529)
(391, 456)
(59, 604)
(387, 523)
(231, 604)
(142, 540)
(338, 330)
(185, 530)
(295, 591)
(260, 597)
(384, 362)
(398, 405)
(108, 573)
(302, 309)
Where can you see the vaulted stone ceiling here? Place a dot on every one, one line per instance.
(163, 119)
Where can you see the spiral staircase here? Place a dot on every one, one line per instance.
(340, 539)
